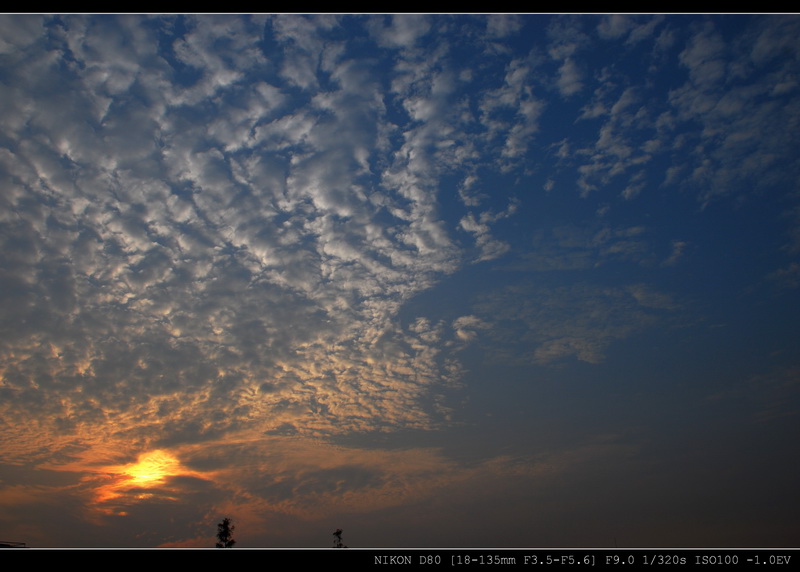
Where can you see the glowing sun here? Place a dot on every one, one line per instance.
(151, 468)
(146, 478)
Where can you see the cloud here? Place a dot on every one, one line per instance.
(569, 78)
(625, 142)
(399, 30)
(739, 108)
(511, 113)
(771, 393)
(547, 325)
(571, 247)
(678, 247)
(787, 277)
(259, 244)
(19, 32)
(567, 39)
(616, 26)
(178, 281)
(705, 57)
(502, 25)
(737, 139)
(280, 488)
(202, 254)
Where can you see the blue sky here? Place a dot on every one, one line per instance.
(471, 280)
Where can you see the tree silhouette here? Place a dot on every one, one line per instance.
(337, 539)
(225, 534)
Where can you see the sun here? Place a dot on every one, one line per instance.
(152, 468)
(144, 479)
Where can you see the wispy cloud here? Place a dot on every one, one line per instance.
(543, 325)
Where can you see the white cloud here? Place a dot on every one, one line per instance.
(569, 78)
(502, 25)
(193, 227)
(399, 30)
(615, 26)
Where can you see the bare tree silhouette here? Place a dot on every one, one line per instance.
(225, 534)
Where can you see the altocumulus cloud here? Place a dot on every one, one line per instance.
(187, 217)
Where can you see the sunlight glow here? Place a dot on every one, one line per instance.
(152, 471)
(152, 468)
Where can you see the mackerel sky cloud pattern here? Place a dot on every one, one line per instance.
(333, 269)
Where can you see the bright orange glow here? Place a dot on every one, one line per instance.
(151, 469)
(129, 483)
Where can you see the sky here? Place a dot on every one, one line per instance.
(435, 280)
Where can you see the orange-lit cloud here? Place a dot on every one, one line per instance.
(147, 478)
